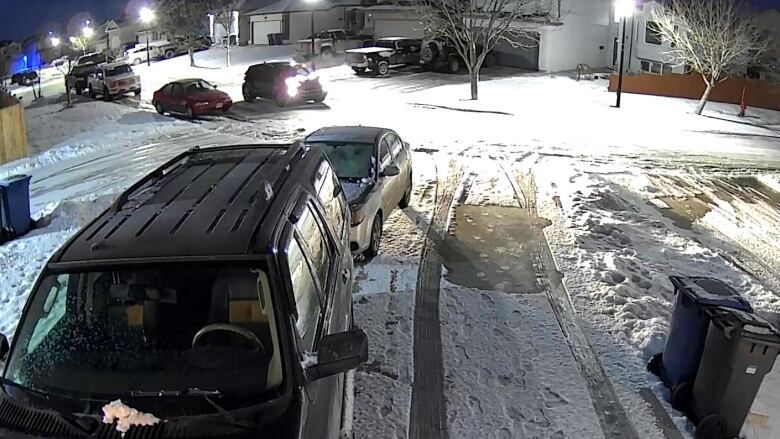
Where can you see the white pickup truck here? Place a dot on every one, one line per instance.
(114, 79)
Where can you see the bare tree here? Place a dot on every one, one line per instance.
(475, 27)
(185, 19)
(715, 38)
(79, 43)
(223, 11)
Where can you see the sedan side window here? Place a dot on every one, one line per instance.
(177, 90)
(307, 300)
(395, 144)
(385, 157)
(168, 89)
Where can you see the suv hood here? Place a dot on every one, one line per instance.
(371, 50)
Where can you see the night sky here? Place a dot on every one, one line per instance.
(21, 18)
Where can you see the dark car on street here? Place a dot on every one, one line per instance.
(191, 98)
(24, 78)
(375, 168)
(285, 82)
(215, 295)
(385, 54)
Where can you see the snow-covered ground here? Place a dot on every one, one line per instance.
(633, 195)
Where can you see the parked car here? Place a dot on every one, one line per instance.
(94, 58)
(329, 42)
(215, 294)
(61, 61)
(137, 55)
(286, 83)
(191, 97)
(27, 77)
(112, 80)
(375, 167)
(79, 76)
(440, 54)
(385, 54)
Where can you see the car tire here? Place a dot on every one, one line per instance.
(158, 106)
(189, 113)
(92, 93)
(248, 96)
(169, 54)
(137, 61)
(681, 396)
(359, 70)
(107, 95)
(382, 68)
(376, 237)
(429, 53)
(404, 203)
(453, 65)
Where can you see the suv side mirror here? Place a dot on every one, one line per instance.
(391, 171)
(4, 348)
(339, 353)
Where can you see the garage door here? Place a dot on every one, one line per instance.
(397, 28)
(261, 29)
(520, 57)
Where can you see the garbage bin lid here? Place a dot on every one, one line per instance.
(748, 324)
(13, 179)
(710, 291)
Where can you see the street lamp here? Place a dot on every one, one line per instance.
(313, 49)
(147, 16)
(55, 42)
(623, 10)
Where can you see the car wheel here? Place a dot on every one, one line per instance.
(106, 94)
(248, 96)
(158, 106)
(359, 70)
(382, 68)
(137, 92)
(169, 54)
(429, 53)
(137, 61)
(92, 93)
(376, 237)
(404, 203)
(281, 99)
(453, 65)
(189, 113)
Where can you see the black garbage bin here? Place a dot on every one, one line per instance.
(739, 351)
(678, 363)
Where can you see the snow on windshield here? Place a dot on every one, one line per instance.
(126, 416)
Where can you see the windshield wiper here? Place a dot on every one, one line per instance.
(195, 393)
(85, 424)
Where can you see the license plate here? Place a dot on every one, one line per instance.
(219, 105)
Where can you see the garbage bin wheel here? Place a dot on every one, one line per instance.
(712, 427)
(655, 364)
(681, 395)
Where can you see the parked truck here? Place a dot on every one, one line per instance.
(112, 80)
(329, 43)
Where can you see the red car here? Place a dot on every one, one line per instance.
(191, 97)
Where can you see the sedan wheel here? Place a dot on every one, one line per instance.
(376, 237)
(248, 96)
(189, 113)
(383, 68)
(404, 203)
(159, 108)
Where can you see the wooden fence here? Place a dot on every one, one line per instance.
(13, 130)
(760, 94)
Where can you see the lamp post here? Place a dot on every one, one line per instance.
(147, 16)
(623, 9)
(313, 44)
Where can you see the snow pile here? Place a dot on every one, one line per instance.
(126, 417)
(24, 258)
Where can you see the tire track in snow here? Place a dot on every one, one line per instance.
(612, 416)
(428, 416)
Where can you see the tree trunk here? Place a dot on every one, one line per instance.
(191, 53)
(474, 76)
(704, 98)
(67, 90)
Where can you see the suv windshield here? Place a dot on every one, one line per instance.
(107, 334)
(350, 160)
(118, 70)
(386, 44)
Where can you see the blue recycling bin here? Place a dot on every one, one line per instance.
(678, 363)
(15, 201)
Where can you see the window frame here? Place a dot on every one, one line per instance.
(652, 35)
(381, 161)
(292, 235)
(319, 184)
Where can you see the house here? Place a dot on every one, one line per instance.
(9, 51)
(237, 26)
(122, 33)
(293, 19)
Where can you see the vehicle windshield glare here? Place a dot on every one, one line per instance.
(349, 159)
(118, 70)
(106, 334)
(199, 87)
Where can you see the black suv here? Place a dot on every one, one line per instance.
(216, 295)
(285, 82)
(25, 78)
(79, 76)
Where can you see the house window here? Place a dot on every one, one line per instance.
(653, 33)
(655, 67)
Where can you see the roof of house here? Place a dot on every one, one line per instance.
(357, 134)
(203, 203)
(301, 6)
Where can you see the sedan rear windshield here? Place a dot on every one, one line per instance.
(118, 70)
(109, 334)
(350, 160)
